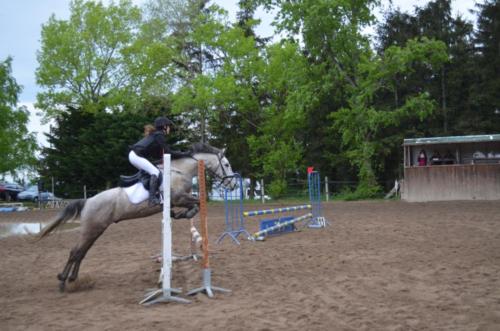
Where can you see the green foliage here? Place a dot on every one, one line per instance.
(277, 188)
(362, 123)
(452, 85)
(362, 192)
(17, 146)
(316, 96)
(277, 148)
(83, 62)
(92, 149)
(484, 113)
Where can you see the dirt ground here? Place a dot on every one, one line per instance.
(384, 265)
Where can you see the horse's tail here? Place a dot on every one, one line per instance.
(71, 211)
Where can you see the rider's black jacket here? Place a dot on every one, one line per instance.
(153, 145)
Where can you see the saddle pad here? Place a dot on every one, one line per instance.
(136, 193)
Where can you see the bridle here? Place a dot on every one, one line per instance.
(220, 179)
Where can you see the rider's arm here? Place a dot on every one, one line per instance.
(167, 150)
(161, 141)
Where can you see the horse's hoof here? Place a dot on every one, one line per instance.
(62, 285)
(60, 277)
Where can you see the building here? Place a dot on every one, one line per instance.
(452, 168)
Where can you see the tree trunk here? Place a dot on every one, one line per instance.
(396, 96)
(443, 100)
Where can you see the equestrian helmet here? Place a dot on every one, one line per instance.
(161, 122)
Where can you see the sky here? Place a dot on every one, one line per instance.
(20, 31)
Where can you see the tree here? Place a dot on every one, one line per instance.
(83, 61)
(106, 73)
(17, 145)
(222, 96)
(451, 86)
(331, 30)
(363, 124)
(277, 143)
(485, 110)
(332, 44)
(92, 149)
(234, 95)
(188, 25)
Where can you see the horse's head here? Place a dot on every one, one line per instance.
(226, 172)
(217, 164)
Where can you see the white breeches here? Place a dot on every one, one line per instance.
(142, 164)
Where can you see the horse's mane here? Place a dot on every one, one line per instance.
(200, 147)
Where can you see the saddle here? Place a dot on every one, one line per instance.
(140, 176)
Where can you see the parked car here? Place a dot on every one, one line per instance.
(31, 194)
(9, 191)
(48, 196)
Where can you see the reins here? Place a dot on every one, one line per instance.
(220, 179)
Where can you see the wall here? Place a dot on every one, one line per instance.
(452, 182)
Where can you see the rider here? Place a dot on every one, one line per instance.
(152, 146)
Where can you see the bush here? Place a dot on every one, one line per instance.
(277, 188)
(360, 193)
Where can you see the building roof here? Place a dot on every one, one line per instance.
(451, 140)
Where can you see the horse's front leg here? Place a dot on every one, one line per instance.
(184, 200)
(185, 213)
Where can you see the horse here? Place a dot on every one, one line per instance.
(115, 205)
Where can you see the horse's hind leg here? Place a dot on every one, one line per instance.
(79, 255)
(76, 256)
(67, 268)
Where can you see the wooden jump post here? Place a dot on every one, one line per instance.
(207, 272)
(165, 293)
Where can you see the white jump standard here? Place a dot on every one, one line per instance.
(165, 293)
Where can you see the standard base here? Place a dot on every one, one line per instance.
(233, 235)
(207, 287)
(158, 296)
(176, 258)
(317, 223)
(158, 258)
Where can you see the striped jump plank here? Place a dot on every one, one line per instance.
(280, 225)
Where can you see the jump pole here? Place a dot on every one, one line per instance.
(207, 272)
(275, 210)
(165, 293)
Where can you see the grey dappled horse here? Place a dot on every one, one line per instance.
(113, 205)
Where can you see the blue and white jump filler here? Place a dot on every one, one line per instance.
(235, 215)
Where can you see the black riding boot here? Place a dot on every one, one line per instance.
(153, 188)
